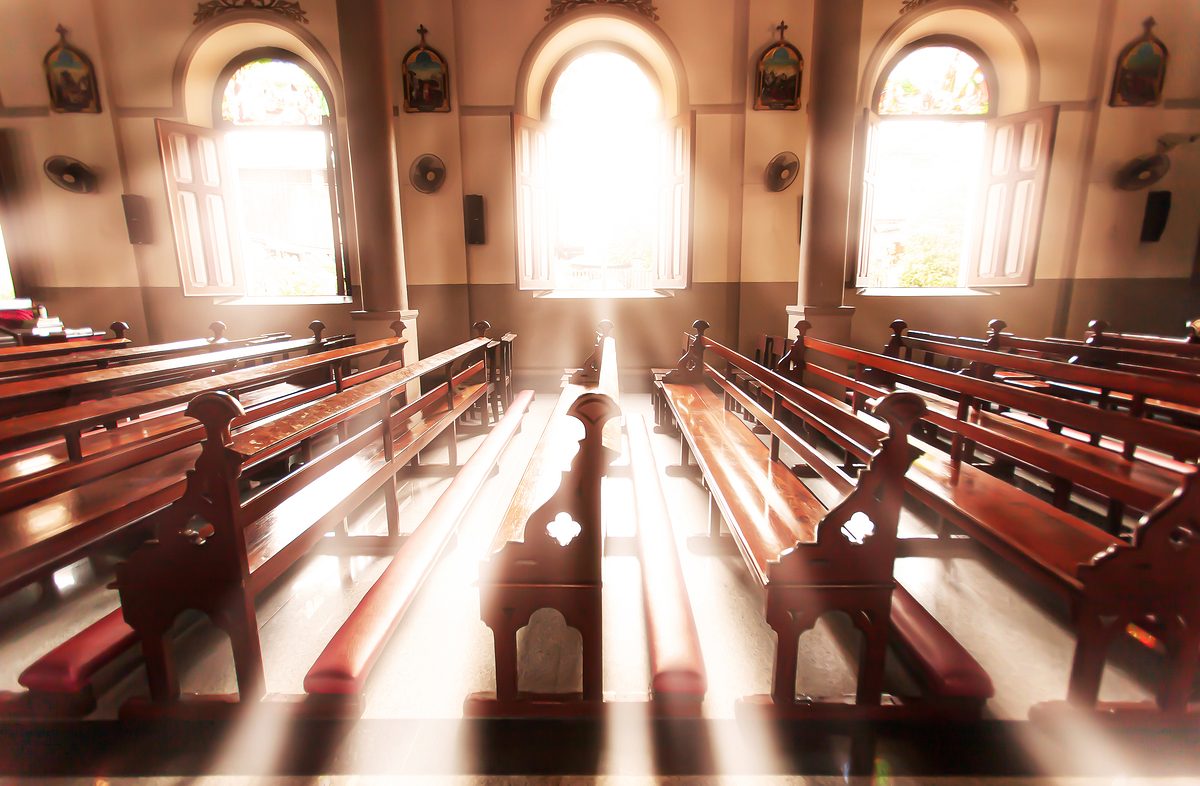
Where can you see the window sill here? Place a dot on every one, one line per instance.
(608, 294)
(922, 292)
(315, 300)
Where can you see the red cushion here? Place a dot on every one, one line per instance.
(68, 667)
(947, 669)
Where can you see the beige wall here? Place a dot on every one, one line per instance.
(745, 239)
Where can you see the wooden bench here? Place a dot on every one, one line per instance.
(215, 550)
(45, 452)
(337, 680)
(808, 559)
(52, 517)
(95, 503)
(1139, 394)
(1100, 334)
(42, 393)
(1125, 461)
(1169, 366)
(1152, 582)
(678, 679)
(92, 343)
(32, 368)
(547, 553)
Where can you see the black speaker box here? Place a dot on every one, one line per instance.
(137, 219)
(1154, 221)
(473, 219)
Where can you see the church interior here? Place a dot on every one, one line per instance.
(600, 391)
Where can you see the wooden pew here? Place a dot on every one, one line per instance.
(1152, 582)
(678, 679)
(547, 553)
(531, 568)
(1184, 369)
(1130, 461)
(32, 368)
(215, 550)
(92, 343)
(94, 503)
(809, 560)
(1139, 394)
(52, 517)
(39, 449)
(336, 683)
(1100, 334)
(42, 393)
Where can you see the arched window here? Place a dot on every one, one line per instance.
(952, 195)
(602, 198)
(262, 217)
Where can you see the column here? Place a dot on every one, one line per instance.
(833, 116)
(376, 191)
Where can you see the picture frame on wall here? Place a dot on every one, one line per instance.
(1141, 71)
(426, 78)
(70, 77)
(780, 75)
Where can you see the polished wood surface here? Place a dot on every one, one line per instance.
(1049, 543)
(809, 560)
(253, 540)
(32, 427)
(344, 666)
(677, 673)
(548, 548)
(140, 354)
(24, 396)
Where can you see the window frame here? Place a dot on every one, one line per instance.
(9, 186)
(336, 197)
(968, 277)
(681, 128)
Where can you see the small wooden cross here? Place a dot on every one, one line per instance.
(1149, 24)
(782, 28)
(62, 31)
(421, 31)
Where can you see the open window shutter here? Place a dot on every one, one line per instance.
(870, 169)
(675, 205)
(1016, 168)
(199, 192)
(531, 154)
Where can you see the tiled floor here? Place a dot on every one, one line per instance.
(442, 651)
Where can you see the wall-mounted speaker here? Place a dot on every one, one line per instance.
(137, 219)
(1154, 221)
(473, 219)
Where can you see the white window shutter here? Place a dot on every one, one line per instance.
(870, 169)
(200, 193)
(673, 263)
(1016, 170)
(531, 156)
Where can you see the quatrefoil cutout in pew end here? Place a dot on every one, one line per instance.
(563, 529)
(858, 529)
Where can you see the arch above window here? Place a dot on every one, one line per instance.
(938, 75)
(270, 87)
(595, 27)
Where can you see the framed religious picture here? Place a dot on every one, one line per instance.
(1141, 70)
(71, 78)
(426, 79)
(780, 73)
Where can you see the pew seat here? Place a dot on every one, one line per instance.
(769, 509)
(343, 667)
(350, 444)
(678, 679)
